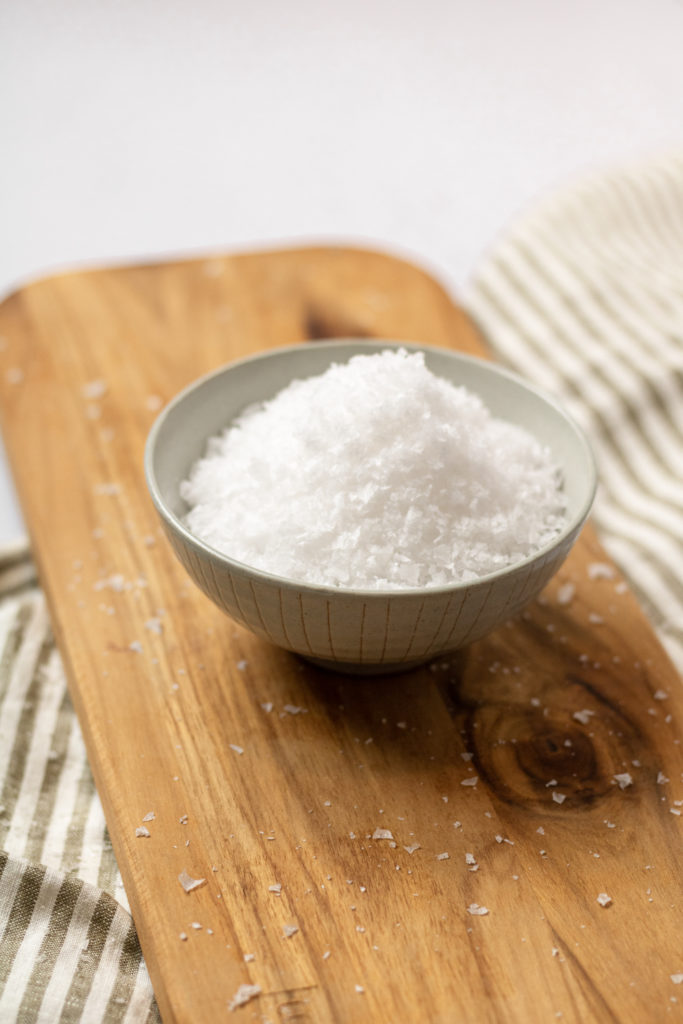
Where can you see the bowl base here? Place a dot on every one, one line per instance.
(354, 668)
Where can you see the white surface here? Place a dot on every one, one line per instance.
(153, 127)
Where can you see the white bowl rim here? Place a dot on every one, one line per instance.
(571, 527)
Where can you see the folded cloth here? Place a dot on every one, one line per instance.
(584, 296)
(68, 947)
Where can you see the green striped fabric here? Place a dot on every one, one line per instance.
(68, 948)
(584, 296)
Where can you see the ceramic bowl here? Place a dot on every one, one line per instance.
(357, 630)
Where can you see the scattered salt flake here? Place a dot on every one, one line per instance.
(275, 888)
(600, 571)
(540, 830)
(267, 705)
(559, 798)
(326, 954)
(471, 859)
(551, 782)
(595, 619)
(289, 929)
(150, 816)
(241, 665)
(360, 990)
(623, 779)
(662, 779)
(443, 856)
(565, 593)
(196, 925)
(603, 899)
(675, 810)
(136, 646)
(183, 936)
(677, 978)
(476, 910)
(142, 832)
(294, 709)
(466, 755)
(94, 389)
(154, 625)
(190, 884)
(470, 782)
(382, 833)
(412, 848)
(249, 957)
(244, 994)
(583, 716)
(660, 695)
(236, 748)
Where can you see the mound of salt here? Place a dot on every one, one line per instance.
(377, 474)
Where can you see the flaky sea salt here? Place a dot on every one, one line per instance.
(378, 474)
(188, 883)
(243, 995)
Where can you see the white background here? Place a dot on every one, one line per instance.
(147, 127)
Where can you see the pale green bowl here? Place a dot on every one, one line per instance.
(358, 630)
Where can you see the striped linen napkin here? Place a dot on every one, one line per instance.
(68, 948)
(584, 296)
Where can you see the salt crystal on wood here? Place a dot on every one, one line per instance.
(382, 833)
(603, 899)
(243, 995)
(476, 910)
(188, 883)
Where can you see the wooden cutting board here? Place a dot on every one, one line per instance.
(528, 775)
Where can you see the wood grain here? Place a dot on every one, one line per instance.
(264, 771)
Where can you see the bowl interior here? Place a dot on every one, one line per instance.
(179, 435)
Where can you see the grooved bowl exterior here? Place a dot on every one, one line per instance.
(352, 630)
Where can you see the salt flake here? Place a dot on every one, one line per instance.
(476, 910)
(188, 883)
(244, 994)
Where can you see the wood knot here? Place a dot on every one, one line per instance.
(536, 756)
